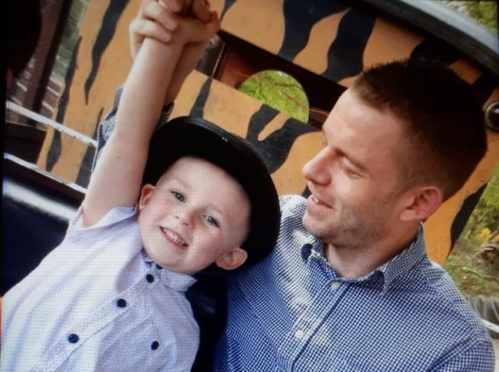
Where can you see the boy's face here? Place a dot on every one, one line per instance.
(196, 215)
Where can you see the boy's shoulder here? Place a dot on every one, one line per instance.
(113, 217)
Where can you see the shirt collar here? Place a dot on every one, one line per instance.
(389, 271)
(405, 260)
(177, 281)
(310, 246)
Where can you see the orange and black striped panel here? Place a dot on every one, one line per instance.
(328, 38)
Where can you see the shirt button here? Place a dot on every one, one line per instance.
(335, 286)
(154, 345)
(121, 303)
(299, 334)
(149, 278)
(73, 338)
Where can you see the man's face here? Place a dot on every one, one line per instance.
(354, 181)
(196, 214)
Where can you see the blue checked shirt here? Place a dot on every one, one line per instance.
(292, 312)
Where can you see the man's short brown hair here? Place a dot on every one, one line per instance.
(446, 135)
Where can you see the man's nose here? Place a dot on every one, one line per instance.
(317, 169)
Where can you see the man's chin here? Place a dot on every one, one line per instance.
(312, 225)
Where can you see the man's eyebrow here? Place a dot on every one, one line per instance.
(357, 163)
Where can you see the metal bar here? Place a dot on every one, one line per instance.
(490, 326)
(51, 123)
(35, 168)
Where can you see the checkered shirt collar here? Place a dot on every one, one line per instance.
(389, 271)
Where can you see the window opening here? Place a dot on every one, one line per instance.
(280, 91)
(474, 261)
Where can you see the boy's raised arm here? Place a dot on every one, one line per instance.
(116, 180)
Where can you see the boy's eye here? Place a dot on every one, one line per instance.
(178, 196)
(211, 220)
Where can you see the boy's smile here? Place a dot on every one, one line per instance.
(175, 238)
(196, 215)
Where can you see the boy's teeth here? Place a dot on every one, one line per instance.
(174, 237)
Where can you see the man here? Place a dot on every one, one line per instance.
(349, 286)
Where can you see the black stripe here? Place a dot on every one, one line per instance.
(104, 37)
(299, 18)
(346, 53)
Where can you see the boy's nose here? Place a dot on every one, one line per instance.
(184, 216)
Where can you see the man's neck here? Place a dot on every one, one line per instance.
(356, 262)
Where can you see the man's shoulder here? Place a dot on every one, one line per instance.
(292, 205)
(438, 283)
(293, 208)
(437, 325)
(446, 306)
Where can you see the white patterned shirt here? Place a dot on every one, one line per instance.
(97, 303)
(292, 312)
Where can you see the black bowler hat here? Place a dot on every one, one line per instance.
(193, 136)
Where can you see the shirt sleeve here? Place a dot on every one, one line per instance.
(106, 127)
(113, 216)
(478, 358)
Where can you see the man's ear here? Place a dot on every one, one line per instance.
(145, 195)
(233, 259)
(421, 203)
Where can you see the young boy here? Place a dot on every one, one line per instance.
(111, 296)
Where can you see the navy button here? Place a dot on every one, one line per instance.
(305, 251)
(73, 338)
(154, 345)
(150, 278)
(121, 303)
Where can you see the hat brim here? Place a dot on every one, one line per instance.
(193, 136)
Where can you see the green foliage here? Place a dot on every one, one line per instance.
(279, 91)
(483, 12)
(69, 37)
(485, 217)
(472, 276)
